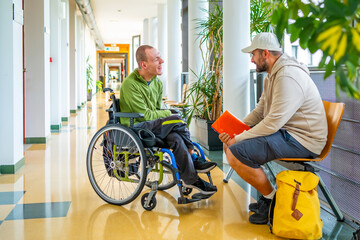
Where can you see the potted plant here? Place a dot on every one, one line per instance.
(99, 86)
(205, 94)
(89, 79)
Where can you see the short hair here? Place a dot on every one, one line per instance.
(275, 53)
(141, 54)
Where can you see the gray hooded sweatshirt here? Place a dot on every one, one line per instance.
(290, 101)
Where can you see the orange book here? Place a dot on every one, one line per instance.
(228, 123)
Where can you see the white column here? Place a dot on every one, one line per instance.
(79, 64)
(72, 58)
(37, 77)
(195, 58)
(145, 37)
(82, 59)
(55, 65)
(162, 43)
(65, 71)
(174, 49)
(153, 32)
(236, 64)
(11, 93)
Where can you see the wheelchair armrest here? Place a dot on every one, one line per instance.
(129, 115)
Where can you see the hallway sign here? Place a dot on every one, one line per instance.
(112, 49)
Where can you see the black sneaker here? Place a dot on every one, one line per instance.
(203, 186)
(254, 207)
(203, 166)
(261, 215)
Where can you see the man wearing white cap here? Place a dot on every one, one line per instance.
(289, 121)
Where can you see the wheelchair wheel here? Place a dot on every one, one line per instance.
(116, 164)
(169, 177)
(152, 203)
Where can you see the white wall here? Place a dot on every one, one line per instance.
(37, 77)
(65, 71)
(55, 65)
(72, 58)
(162, 42)
(11, 94)
(80, 58)
(174, 50)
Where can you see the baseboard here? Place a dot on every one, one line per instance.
(35, 140)
(11, 169)
(55, 127)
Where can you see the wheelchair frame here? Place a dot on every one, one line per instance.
(128, 167)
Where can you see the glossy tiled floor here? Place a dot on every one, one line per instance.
(51, 197)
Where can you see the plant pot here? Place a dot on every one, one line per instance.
(89, 95)
(206, 136)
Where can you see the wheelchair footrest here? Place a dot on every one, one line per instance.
(201, 196)
(184, 200)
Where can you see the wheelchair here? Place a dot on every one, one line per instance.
(122, 160)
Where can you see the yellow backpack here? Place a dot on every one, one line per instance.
(295, 209)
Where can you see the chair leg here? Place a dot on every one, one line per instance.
(228, 175)
(231, 170)
(330, 199)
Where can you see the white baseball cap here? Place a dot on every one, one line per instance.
(264, 40)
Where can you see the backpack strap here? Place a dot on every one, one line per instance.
(296, 213)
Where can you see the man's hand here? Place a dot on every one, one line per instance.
(225, 138)
(174, 111)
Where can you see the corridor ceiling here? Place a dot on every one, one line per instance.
(119, 20)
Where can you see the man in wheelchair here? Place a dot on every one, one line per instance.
(141, 92)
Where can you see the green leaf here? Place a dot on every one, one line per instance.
(276, 16)
(303, 22)
(294, 31)
(315, 10)
(335, 8)
(305, 8)
(305, 35)
(293, 10)
(329, 69)
(323, 59)
(351, 7)
(313, 45)
(343, 81)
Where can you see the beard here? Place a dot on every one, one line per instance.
(262, 66)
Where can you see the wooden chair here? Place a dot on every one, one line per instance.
(334, 112)
(180, 105)
(171, 103)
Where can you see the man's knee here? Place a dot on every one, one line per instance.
(230, 157)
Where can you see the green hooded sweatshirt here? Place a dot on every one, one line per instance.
(138, 97)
